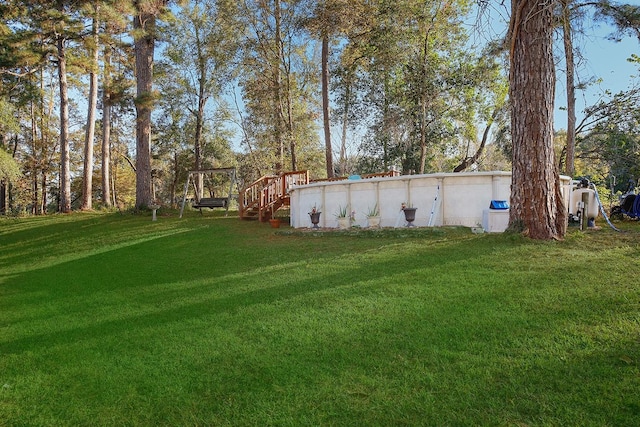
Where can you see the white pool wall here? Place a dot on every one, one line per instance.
(461, 200)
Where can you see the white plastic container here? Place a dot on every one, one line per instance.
(495, 220)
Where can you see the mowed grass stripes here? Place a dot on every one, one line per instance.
(112, 319)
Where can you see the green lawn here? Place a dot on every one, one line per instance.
(112, 319)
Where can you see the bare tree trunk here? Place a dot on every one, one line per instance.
(65, 168)
(114, 191)
(106, 137)
(343, 146)
(87, 179)
(536, 203)
(3, 182)
(424, 95)
(345, 127)
(325, 105)
(33, 164)
(423, 107)
(34, 192)
(43, 185)
(10, 186)
(199, 178)
(571, 89)
(47, 158)
(174, 182)
(386, 136)
(290, 134)
(423, 135)
(144, 47)
(3, 197)
(105, 160)
(202, 100)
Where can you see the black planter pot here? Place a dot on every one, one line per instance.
(410, 216)
(315, 218)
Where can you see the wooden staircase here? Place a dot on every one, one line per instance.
(262, 198)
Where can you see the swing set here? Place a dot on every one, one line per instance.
(208, 202)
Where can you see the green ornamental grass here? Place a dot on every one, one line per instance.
(112, 319)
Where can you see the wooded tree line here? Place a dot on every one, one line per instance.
(275, 85)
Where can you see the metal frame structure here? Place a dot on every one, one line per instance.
(217, 202)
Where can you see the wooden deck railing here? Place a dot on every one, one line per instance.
(263, 197)
(249, 197)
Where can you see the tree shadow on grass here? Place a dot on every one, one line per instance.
(181, 285)
(439, 345)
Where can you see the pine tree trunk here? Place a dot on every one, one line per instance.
(345, 127)
(144, 47)
(571, 89)
(35, 199)
(33, 165)
(174, 182)
(325, 105)
(202, 101)
(43, 196)
(277, 88)
(290, 133)
(536, 203)
(3, 197)
(3, 183)
(197, 165)
(106, 148)
(65, 168)
(87, 179)
(106, 128)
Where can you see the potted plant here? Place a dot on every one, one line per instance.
(409, 214)
(373, 217)
(275, 222)
(344, 219)
(314, 214)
